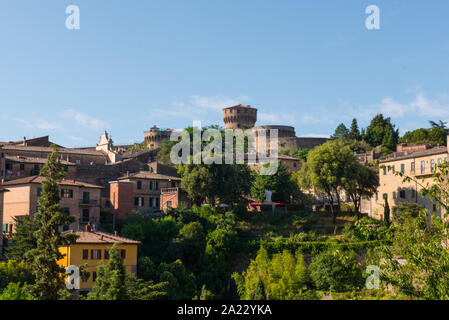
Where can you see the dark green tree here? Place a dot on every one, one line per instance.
(354, 133)
(24, 238)
(49, 283)
(341, 132)
(111, 279)
(280, 184)
(387, 212)
(381, 132)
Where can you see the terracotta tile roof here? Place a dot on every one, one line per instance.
(150, 175)
(99, 237)
(286, 157)
(34, 160)
(413, 154)
(39, 179)
(48, 149)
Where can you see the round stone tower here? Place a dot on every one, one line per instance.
(239, 117)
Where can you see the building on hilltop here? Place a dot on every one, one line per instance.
(418, 162)
(245, 117)
(155, 136)
(92, 247)
(239, 117)
(78, 199)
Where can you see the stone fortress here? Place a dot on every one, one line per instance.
(245, 117)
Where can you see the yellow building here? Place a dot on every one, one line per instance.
(92, 247)
(417, 162)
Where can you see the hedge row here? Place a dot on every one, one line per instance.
(309, 247)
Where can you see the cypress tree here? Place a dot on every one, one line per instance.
(49, 284)
(111, 279)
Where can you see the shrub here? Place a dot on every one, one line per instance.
(336, 270)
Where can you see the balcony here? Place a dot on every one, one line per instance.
(88, 203)
(169, 190)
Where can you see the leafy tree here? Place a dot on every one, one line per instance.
(336, 271)
(192, 241)
(14, 271)
(341, 132)
(281, 184)
(381, 132)
(435, 135)
(354, 133)
(406, 210)
(283, 277)
(43, 258)
(181, 283)
(15, 291)
(300, 153)
(327, 170)
(226, 182)
(362, 182)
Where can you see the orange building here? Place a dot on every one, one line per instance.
(78, 199)
(92, 247)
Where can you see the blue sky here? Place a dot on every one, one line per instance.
(133, 64)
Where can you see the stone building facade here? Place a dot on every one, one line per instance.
(239, 117)
(418, 162)
(147, 189)
(78, 199)
(155, 136)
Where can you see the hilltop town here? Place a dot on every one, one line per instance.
(112, 194)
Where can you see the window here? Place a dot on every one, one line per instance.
(86, 197)
(95, 254)
(139, 185)
(85, 254)
(67, 193)
(107, 204)
(154, 202)
(154, 185)
(432, 165)
(8, 166)
(66, 168)
(22, 167)
(385, 171)
(94, 276)
(412, 167)
(413, 193)
(36, 167)
(86, 215)
(123, 254)
(168, 204)
(439, 160)
(402, 194)
(402, 167)
(78, 161)
(385, 196)
(377, 196)
(5, 227)
(434, 207)
(394, 194)
(393, 169)
(106, 254)
(67, 213)
(138, 201)
(423, 166)
(39, 191)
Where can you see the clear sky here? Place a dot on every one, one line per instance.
(134, 63)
